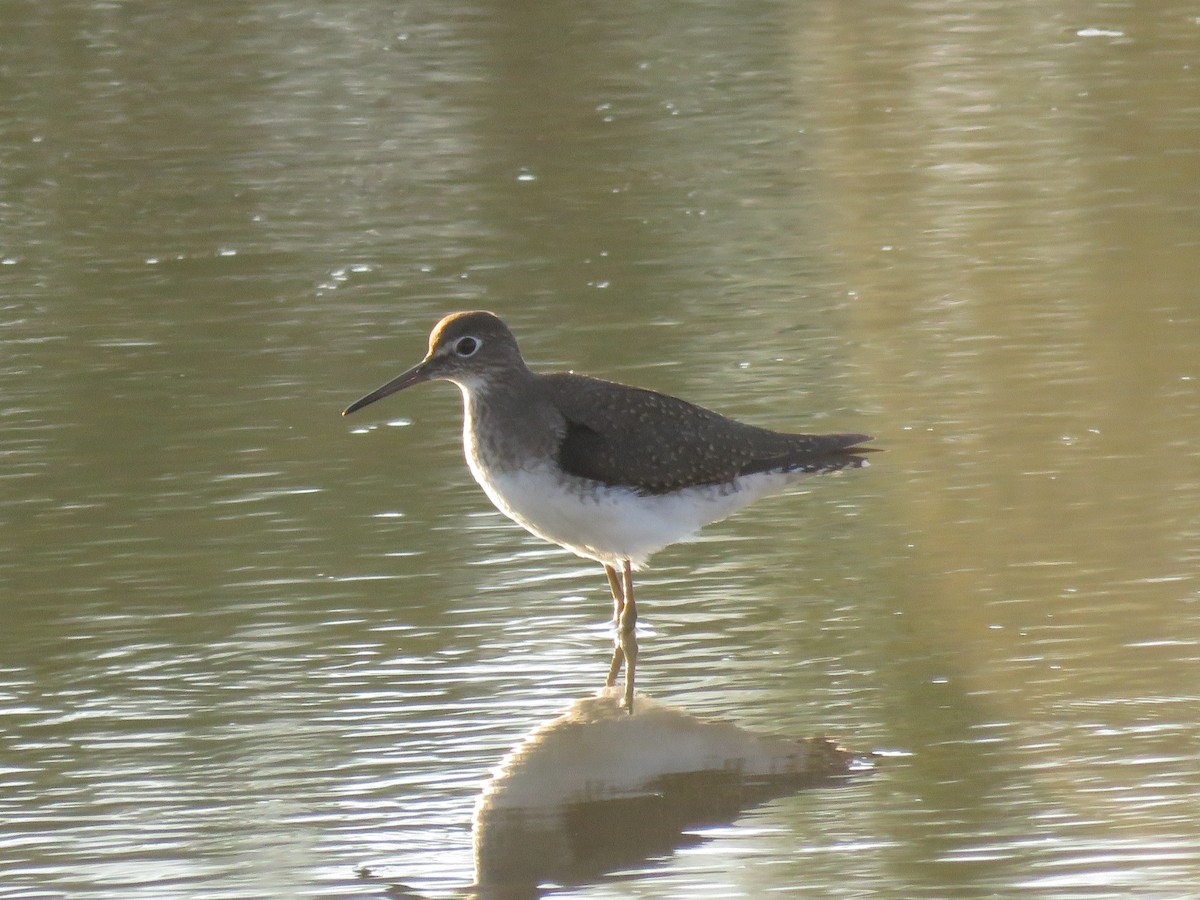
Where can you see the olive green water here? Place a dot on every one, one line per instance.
(248, 646)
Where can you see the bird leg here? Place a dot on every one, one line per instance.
(618, 595)
(627, 638)
(625, 622)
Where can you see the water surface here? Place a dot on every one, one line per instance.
(250, 647)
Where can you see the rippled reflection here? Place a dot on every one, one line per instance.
(595, 790)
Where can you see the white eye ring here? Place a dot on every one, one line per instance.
(467, 346)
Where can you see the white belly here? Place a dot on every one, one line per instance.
(607, 524)
(612, 524)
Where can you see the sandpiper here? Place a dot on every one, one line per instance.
(608, 471)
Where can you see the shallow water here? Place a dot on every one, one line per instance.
(248, 647)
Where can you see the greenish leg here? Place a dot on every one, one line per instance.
(627, 637)
(618, 595)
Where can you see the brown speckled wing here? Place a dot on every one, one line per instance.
(654, 443)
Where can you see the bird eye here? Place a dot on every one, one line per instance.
(467, 346)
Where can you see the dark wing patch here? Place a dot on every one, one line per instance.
(655, 443)
(582, 453)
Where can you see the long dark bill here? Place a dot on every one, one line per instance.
(415, 375)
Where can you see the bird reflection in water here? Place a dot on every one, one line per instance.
(596, 790)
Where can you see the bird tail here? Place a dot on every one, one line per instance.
(849, 454)
(817, 454)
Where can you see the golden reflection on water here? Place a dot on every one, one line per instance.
(1022, 287)
(595, 790)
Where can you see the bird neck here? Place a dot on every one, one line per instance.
(508, 423)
